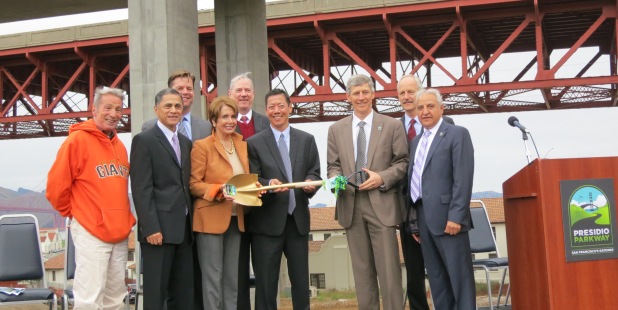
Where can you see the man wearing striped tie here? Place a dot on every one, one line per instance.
(376, 145)
(407, 88)
(441, 172)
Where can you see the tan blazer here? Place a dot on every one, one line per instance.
(210, 168)
(387, 155)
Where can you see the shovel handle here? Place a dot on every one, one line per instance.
(286, 185)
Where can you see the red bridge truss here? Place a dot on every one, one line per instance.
(485, 56)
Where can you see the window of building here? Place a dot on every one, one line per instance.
(310, 237)
(493, 231)
(326, 236)
(131, 257)
(318, 280)
(54, 276)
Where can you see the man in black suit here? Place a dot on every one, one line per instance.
(160, 170)
(249, 123)
(281, 225)
(412, 255)
(195, 129)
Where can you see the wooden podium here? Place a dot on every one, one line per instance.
(539, 274)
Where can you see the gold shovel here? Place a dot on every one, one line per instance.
(242, 187)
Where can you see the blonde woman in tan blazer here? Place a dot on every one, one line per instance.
(217, 220)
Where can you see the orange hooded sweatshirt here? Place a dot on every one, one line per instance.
(90, 181)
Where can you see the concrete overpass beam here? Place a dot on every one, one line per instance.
(162, 38)
(242, 45)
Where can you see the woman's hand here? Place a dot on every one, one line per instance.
(225, 194)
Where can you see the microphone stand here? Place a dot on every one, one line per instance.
(524, 136)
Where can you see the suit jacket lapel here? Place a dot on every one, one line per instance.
(221, 150)
(293, 149)
(347, 133)
(257, 122)
(185, 153)
(374, 138)
(166, 143)
(413, 146)
(274, 150)
(436, 141)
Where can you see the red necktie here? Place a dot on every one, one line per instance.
(411, 130)
(244, 119)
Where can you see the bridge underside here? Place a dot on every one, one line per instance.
(503, 56)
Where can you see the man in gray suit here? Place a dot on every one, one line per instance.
(441, 172)
(281, 225)
(191, 126)
(375, 144)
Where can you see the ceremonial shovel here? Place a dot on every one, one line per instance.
(242, 187)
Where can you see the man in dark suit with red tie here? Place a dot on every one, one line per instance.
(249, 123)
(412, 255)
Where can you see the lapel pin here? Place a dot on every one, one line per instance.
(379, 128)
(442, 134)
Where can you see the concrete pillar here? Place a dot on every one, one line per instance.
(162, 38)
(242, 45)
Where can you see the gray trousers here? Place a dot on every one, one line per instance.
(375, 258)
(218, 255)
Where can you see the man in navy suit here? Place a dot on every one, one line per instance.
(440, 176)
(407, 88)
(160, 170)
(281, 225)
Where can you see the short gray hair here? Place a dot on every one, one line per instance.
(242, 76)
(417, 80)
(358, 80)
(101, 91)
(432, 91)
(166, 91)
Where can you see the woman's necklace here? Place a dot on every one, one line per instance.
(225, 148)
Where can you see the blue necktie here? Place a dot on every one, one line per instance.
(285, 156)
(183, 129)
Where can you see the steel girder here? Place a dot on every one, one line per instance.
(459, 47)
(46, 89)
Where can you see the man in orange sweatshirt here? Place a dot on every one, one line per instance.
(88, 182)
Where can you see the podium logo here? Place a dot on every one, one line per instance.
(590, 219)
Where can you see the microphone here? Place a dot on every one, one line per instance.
(513, 121)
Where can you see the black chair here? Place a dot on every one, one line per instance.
(69, 268)
(21, 260)
(482, 240)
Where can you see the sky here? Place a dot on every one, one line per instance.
(499, 148)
